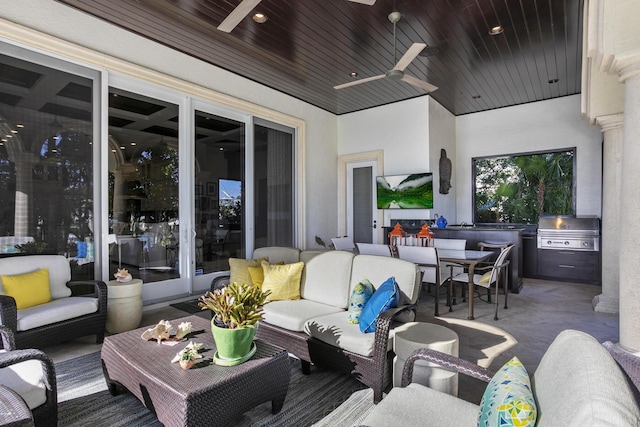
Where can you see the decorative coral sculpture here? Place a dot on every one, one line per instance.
(122, 275)
(188, 355)
(184, 329)
(159, 332)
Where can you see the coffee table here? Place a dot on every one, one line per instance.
(204, 395)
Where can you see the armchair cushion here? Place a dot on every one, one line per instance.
(56, 311)
(28, 289)
(508, 399)
(292, 315)
(282, 280)
(26, 379)
(385, 297)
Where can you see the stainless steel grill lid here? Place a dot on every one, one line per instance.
(586, 224)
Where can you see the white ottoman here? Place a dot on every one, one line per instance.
(124, 305)
(414, 335)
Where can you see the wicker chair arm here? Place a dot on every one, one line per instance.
(219, 282)
(8, 312)
(446, 361)
(49, 372)
(88, 287)
(8, 338)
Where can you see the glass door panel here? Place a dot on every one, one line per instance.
(144, 223)
(219, 192)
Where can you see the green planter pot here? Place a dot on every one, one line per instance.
(234, 346)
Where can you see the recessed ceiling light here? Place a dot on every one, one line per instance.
(221, 149)
(133, 143)
(19, 125)
(113, 150)
(122, 147)
(494, 31)
(552, 81)
(353, 74)
(14, 131)
(260, 18)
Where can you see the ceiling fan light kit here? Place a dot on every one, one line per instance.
(397, 72)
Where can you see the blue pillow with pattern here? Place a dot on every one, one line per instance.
(508, 399)
(359, 298)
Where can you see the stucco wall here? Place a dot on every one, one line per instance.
(544, 125)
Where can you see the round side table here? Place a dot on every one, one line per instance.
(415, 335)
(124, 305)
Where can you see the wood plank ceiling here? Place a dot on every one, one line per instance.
(308, 46)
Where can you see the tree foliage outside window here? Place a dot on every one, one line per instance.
(521, 188)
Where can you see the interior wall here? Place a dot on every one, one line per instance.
(544, 125)
(320, 150)
(442, 135)
(401, 130)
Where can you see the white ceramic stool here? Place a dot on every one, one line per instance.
(124, 305)
(414, 335)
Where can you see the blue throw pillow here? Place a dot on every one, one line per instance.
(385, 297)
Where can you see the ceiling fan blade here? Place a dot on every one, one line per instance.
(409, 56)
(419, 83)
(369, 2)
(357, 82)
(237, 15)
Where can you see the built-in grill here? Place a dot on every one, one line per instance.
(569, 249)
(575, 233)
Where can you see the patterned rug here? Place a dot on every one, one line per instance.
(84, 399)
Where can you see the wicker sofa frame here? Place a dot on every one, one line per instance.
(62, 331)
(45, 415)
(375, 372)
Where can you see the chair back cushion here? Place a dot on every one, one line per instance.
(278, 254)
(578, 383)
(59, 271)
(325, 278)
(378, 269)
(422, 255)
(456, 244)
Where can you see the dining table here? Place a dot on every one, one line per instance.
(468, 259)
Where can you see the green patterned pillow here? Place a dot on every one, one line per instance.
(359, 297)
(508, 399)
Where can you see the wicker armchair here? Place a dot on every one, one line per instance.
(57, 332)
(18, 372)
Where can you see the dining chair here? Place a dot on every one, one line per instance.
(454, 269)
(343, 243)
(426, 258)
(374, 249)
(491, 277)
(493, 247)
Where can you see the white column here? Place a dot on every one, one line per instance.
(629, 210)
(608, 300)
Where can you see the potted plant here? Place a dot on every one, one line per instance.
(236, 311)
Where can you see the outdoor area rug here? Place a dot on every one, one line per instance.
(84, 399)
(190, 306)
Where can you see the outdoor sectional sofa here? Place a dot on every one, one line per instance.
(315, 328)
(76, 309)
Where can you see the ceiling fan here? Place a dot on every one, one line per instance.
(246, 6)
(397, 72)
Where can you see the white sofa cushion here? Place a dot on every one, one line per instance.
(326, 279)
(59, 271)
(378, 269)
(334, 329)
(55, 311)
(416, 405)
(292, 315)
(578, 383)
(26, 379)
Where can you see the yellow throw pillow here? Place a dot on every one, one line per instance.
(282, 280)
(485, 278)
(28, 289)
(257, 276)
(239, 269)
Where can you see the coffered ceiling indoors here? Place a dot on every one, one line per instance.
(306, 47)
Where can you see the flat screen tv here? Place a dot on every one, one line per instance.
(413, 191)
